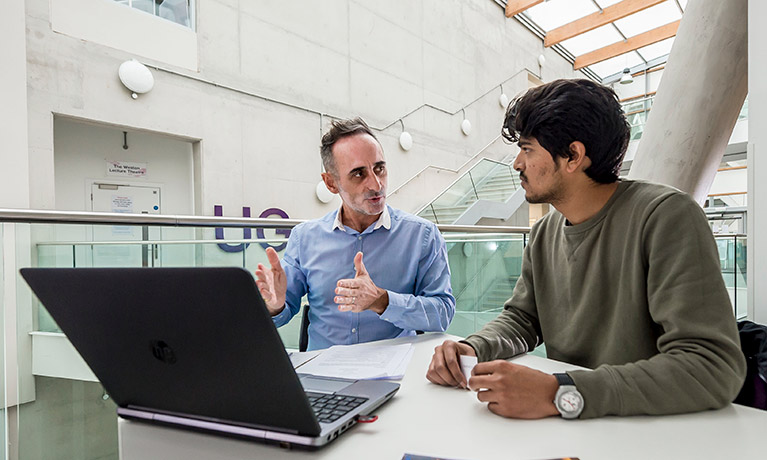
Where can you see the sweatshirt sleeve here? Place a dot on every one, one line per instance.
(699, 365)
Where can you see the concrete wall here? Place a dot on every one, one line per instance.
(341, 57)
(16, 384)
(14, 174)
(81, 155)
(757, 162)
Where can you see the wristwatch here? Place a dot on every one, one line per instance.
(568, 399)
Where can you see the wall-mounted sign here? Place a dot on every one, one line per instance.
(218, 210)
(125, 169)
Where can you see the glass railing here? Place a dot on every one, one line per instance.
(61, 407)
(4, 375)
(487, 180)
(732, 258)
(484, 269)
(638, 109)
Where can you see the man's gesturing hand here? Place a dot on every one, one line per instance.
(360, 293)
(445, 367)
(272, 283)
(516, 391)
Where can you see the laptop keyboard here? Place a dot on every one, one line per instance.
(329, 408)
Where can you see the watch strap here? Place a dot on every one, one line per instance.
(564, 379)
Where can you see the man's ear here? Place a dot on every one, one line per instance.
(330, 182)
(578, 159)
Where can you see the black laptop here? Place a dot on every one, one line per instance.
(196, 348)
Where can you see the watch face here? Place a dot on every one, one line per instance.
(570, 401)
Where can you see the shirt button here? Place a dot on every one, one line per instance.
(359, 237)
(354, 329)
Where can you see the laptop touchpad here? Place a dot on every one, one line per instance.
(324, 385)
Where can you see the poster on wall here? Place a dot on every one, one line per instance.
(126, 169)
(122, 204)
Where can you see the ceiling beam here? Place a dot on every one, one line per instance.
(514, 7)
(598, 19)
(631, 44)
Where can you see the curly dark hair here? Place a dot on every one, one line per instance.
(338, 130)
(564, 111)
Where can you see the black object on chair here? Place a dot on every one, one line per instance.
(303, 338)
(753, 342)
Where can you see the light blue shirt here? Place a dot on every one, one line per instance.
(404, 254)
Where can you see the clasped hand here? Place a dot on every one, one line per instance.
(511, 390)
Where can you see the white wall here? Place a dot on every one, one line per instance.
(81, 152)
(757, 162)
(14, 173)
(16, 385)
(340, 57)
(157, 38)
(729, 181)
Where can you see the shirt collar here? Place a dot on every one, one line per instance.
(384, 220)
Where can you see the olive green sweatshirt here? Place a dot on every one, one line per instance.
(634, 293)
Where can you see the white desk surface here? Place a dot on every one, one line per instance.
(427, 419)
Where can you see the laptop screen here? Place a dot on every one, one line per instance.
(195, 342)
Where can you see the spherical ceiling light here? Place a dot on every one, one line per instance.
(136, 77)
(405, 141)
(323, 194)
(466, 127)
(503, 100)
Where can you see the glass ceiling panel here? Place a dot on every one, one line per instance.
(656, 50)
(592, 40)
(554, 13)
(616, 64)
(648, 19)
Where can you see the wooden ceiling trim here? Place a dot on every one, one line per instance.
(598, 19)
(630, 44)
(514, 7)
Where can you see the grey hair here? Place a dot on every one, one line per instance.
(340, 129)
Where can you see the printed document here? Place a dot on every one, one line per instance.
(361, 362)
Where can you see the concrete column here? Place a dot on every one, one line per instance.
(14, 151)
(703, 88)
(14, 193)
(757, 162)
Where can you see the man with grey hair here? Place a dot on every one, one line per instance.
(404, 285)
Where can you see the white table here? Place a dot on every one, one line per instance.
(431, 420)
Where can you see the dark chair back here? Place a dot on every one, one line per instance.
(753, 342)
(303, 338)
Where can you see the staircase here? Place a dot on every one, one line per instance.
(487, 181)
(497, 294)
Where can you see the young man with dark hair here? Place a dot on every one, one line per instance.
(403, 286)
(623, 278)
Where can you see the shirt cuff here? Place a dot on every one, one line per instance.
(282, 318)
(395, 311)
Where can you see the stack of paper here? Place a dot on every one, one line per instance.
(361, 362)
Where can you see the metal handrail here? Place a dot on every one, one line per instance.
(35, 216)
(442, 168)
(467, 173)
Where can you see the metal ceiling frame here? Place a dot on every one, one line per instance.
(525, 20)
